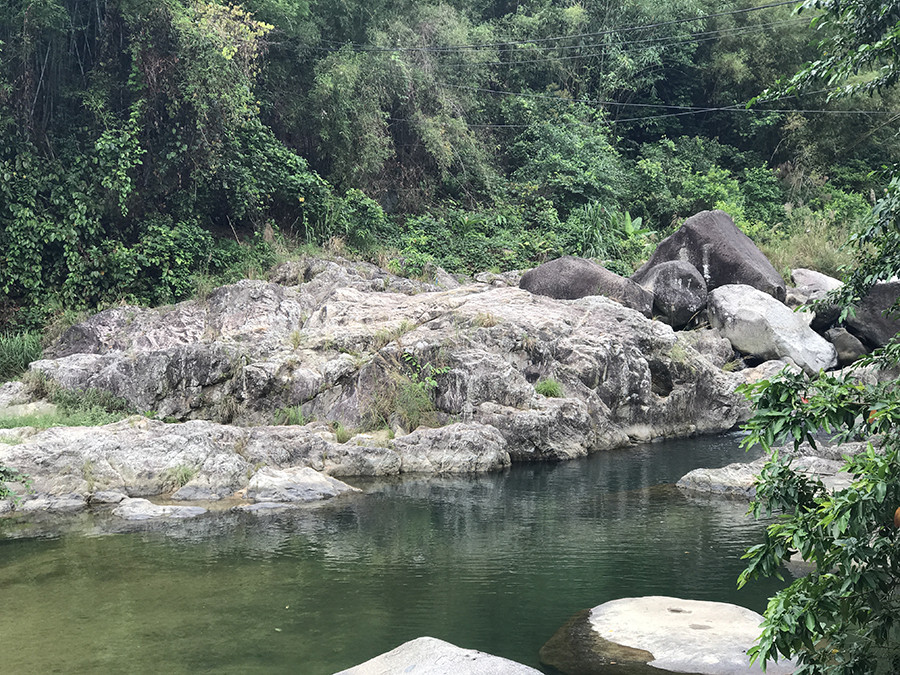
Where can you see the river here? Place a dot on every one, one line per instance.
(495, 562)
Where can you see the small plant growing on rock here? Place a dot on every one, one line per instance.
(406, 396)
(485, 320)
(297, 339)
(11, 475)
(17, 350)
(341, 433)
(548, 387)
(178, 476)
(292, 415)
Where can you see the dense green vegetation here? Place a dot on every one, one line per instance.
(149, 148)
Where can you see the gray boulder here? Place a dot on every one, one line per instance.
(430, 656)
(723, 254)
(739, 479)
(294, 484)
(812, 286)
(679, 290)
(143, 509)
(755, 323)
(456, 448)
(709, 344)
(569, 278)
(847, 346)
(657, 633)
(817, 284)
(874, 322)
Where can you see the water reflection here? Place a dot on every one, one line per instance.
(493, 562)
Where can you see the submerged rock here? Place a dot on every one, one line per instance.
(656, 633)
(430, 656)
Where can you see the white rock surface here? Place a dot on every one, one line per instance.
(143, 509)
(757, 324)
(687, 636)
(430, 656)
(294, 484)
(738, 479)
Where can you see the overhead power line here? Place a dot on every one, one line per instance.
(681, 110)
(609, 31)
(636, 46)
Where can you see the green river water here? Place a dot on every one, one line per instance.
(495, 562)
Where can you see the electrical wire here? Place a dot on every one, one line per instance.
(362, 47)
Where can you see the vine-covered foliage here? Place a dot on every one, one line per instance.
(144, 145)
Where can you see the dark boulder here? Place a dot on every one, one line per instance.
(847, 346)
(873, 323)
(723, 254)
(679, 290)
(570, 278)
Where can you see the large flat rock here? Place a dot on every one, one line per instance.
(658, 633)
(430, 656)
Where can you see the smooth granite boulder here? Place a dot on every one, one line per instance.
(569, 278)
(757, 324)
(679, 290)
(712, 243)
(430, 656)
(658, 634)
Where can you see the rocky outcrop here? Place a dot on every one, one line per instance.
(346, 355)
(343, 348)
(875, 321)
(757, 324)
(723, 254)
(430, 656)
(679, 290)
(656, 633)
(570, 278)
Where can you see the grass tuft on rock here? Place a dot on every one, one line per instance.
(17, 351)
(548, 387)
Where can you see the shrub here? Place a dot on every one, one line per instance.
(548, 387)
(17, 350)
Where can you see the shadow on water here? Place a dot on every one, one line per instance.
(495, 562)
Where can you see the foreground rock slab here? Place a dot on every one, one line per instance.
(658, 633)
(430, 656)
